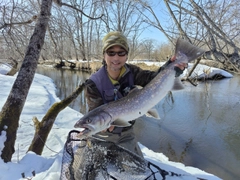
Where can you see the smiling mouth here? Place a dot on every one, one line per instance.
(115, 63)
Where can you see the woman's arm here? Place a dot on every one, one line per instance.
(93, 96)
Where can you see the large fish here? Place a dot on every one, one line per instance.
(140, 102)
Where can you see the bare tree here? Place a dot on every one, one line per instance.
(124, 16)
(70, 25)
(149, 48)
(11, 111)
(9, 116)
(212, 24)
(16, 27)
(164, 51)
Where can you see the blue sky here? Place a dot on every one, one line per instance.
(161, 13)
(153, 33)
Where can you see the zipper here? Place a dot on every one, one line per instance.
(115, 94)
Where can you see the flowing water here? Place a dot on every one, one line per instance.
(199, 126)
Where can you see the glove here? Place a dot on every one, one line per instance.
(178, 71)
(164, 66)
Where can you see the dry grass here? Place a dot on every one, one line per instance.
(89, 66)
(146, 67)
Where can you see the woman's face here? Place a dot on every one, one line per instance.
(115, 58)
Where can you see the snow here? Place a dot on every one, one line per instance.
(4, 68)
(204, 71)
(48, 166)
(201, 71)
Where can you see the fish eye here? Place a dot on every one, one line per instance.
(89, 120)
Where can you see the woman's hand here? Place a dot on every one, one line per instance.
(110, 129)
(180, 67)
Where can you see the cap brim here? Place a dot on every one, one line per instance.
(116, 44)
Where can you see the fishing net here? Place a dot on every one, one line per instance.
(97, 159)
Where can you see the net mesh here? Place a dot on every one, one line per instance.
(96, 159)
(100, 160)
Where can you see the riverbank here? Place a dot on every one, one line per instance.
(201, 72)
(206, 70)
(93, 66)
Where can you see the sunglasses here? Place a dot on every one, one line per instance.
(113, 53)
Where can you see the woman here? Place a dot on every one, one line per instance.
(114, 80)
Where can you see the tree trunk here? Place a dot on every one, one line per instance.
(11, 111)
(43, 128)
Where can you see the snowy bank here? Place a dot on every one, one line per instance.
(200, 72)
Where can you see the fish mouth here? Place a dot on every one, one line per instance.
(87, 130)
(84, 133)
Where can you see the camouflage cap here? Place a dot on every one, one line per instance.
(115, 38)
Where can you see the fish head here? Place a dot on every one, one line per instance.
(93, 122)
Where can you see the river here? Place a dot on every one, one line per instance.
(200, 127)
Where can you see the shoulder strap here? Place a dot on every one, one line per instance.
(130, 77)
(101, 80)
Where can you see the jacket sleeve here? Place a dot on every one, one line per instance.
(143, 77)
(93, 96)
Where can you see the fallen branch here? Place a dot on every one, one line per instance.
(191, 71)
(43, 128)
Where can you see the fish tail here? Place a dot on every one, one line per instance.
(189, 50)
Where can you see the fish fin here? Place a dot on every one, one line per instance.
(184, 47)
(121, 123)
(135, 89)
(153, 113)
(177, 84)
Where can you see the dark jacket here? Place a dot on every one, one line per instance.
(140, 78)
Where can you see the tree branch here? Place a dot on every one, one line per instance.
(43, 128)
(79, 10)
(34, 18)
